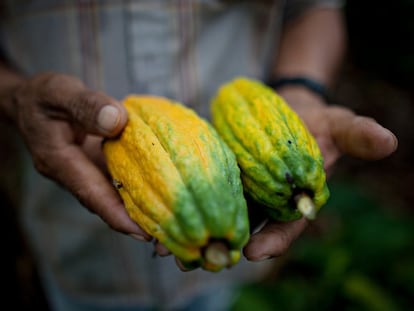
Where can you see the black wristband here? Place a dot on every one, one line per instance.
(311, 84)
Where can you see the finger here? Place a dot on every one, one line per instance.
(70, 167)
(92, 147)
(329, 152)
(183, 267)
(161, 249)
(273, 240)
(96, 113)
(362, 137)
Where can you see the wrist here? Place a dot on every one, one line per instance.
(301, 98)
(11, 82)
(7, 103)
(300, 82)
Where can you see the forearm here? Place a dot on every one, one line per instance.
(9, 81)
(312, 46)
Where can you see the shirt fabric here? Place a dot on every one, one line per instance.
(181, 49)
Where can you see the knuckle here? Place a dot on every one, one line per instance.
(85, 106)
(340, 111)
(283, 241)
(114, 225)
(52, 81)
(83, 195)
(42, 164)
(52, 87)
(49, 82)
(284, 245)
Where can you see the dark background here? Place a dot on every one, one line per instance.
(359, 254)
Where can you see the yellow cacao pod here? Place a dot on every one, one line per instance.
(180, 182)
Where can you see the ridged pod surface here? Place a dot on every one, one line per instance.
(280, 161)
(180, 182)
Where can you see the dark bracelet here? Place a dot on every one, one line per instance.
(312, 85)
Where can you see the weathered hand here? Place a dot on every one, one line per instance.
(338, 132)
(62, 124)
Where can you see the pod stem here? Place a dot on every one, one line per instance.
(305, 205)
(217, 254)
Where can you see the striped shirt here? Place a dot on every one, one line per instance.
(181, 49)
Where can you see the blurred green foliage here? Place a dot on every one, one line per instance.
(360, 258)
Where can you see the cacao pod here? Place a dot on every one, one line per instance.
(180, 182)
(280, 161)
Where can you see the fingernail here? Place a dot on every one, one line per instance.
(108, 118)
(395, 140)
(263, 258)
(137, 237)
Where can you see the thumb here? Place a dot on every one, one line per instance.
(362, 137)
(97, 113)
(66, 97)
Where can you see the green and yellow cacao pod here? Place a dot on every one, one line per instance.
(280, 161)
(180, 182)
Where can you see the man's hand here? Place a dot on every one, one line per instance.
(62, 124)
(338, 132)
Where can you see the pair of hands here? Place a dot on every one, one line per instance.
(62, 124)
